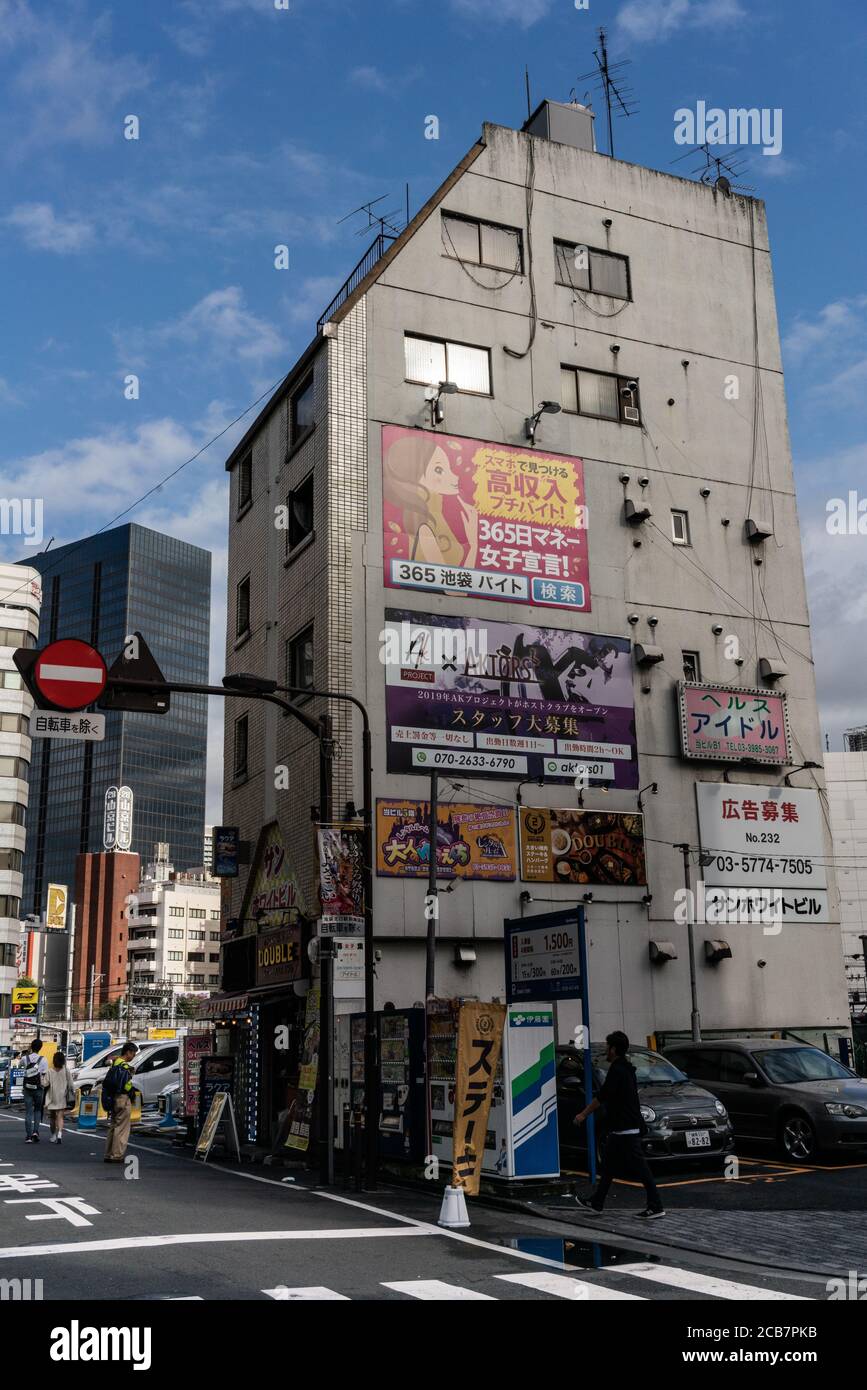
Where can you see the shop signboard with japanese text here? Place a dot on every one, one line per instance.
(483, 520)
(764, 839)
(727, 724)
(473, 841)
(561, 845)
(274, 891)
(509, 700)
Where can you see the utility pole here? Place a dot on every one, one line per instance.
(695, 1016)
(431, 902)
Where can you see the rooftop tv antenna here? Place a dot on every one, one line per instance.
(720, 171)
(381, 220)
(616, 92)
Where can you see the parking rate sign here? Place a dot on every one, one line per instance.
(69, 674)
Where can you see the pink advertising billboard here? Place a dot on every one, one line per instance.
(500, 521)
(724, 723)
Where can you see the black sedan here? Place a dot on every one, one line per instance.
(682, 1120)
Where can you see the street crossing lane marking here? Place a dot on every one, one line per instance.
(562, 1287)
(430, 1289)
(315, 1291)
(78, 1247)
(706, 1283)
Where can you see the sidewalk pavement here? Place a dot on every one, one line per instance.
(816, 1242)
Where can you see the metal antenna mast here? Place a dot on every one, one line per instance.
(380, 220)
(615, 91)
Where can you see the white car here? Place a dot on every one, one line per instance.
(94, 1071)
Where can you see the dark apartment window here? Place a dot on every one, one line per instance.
(432, 360)
(597, 272)
(241, 740)
(680, 527)
(481, 243)
(299, 662)
(242, 608)
(9, 907)
(245, 480)
(11, 813)
(11, 680)
(302, 409)
(600, 394)
(691, 666)
(299, 505)
(11, 860)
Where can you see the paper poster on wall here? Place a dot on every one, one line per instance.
(473, 841)
(483, 520)
(508, 700)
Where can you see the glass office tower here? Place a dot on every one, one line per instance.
(125, 580)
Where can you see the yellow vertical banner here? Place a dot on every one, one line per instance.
(480, 1037)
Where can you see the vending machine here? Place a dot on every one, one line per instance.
(522, 1140)
(401, 1048)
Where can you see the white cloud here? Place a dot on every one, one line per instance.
(778, 168)
(643, 21)
(370, 78)
(840, 321)
(523, 12)
(42, 229)
(304, 305)
(73, 89)
(220, 328)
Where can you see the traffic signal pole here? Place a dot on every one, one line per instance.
(255, 688)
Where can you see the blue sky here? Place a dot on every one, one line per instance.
(261, 126)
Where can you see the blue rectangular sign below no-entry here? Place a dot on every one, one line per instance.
(543, 956)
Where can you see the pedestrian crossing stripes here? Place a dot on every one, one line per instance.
(545, 1283)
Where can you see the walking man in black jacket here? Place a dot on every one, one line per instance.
(623, 1158)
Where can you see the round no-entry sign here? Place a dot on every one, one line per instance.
(70, 674)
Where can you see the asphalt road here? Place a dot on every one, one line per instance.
(166, 1227)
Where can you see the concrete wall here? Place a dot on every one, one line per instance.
(695, 257)
(692, 282)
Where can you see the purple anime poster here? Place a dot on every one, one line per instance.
(510, 700)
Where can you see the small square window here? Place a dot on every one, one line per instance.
(299, 506)
(241, 741)
(680, 528)
(242, 608)
(299, 662)
(302, 409)
(691, 666)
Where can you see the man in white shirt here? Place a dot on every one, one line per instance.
(33, 1088)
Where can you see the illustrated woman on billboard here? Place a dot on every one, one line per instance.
(417, 478)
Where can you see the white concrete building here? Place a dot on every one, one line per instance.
(846, 780)
(20, 601)
(639, 308)
(174, 928)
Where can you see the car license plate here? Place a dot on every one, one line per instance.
(698, 1139)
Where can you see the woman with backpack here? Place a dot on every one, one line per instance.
(33, 1089)
(60, 1095)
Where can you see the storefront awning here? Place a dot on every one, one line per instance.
(222, 1004)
